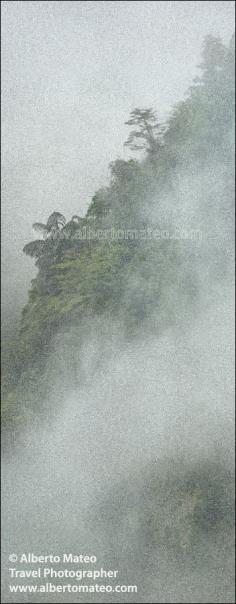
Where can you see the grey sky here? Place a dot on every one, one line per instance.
(71, 73)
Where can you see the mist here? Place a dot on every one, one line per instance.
(127, 425)
(129, 456)
(147, 415)
(67, 90)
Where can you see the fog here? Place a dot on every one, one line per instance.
(130, 457)
(131, 432)
(71, 74)
(101, 471)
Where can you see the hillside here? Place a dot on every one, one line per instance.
(150, 241)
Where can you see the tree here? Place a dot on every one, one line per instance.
(50, 231)
(147, 133)
(123, 171)
(34, 249)
(71, 227)
(54, 224)
(48, 249)
(213, 55)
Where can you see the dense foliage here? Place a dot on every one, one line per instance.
(98, 265)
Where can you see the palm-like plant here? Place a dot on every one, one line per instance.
(50, 245)
(72, 226)
(54, 224)
(49, 250)
(50, 230)
(35, 248)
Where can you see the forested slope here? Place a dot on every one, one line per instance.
(149, 239)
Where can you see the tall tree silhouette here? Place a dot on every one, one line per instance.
(147, 131)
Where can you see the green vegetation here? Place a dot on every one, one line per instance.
(135, 280)
(179, 509)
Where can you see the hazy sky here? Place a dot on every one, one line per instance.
(71, 73)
